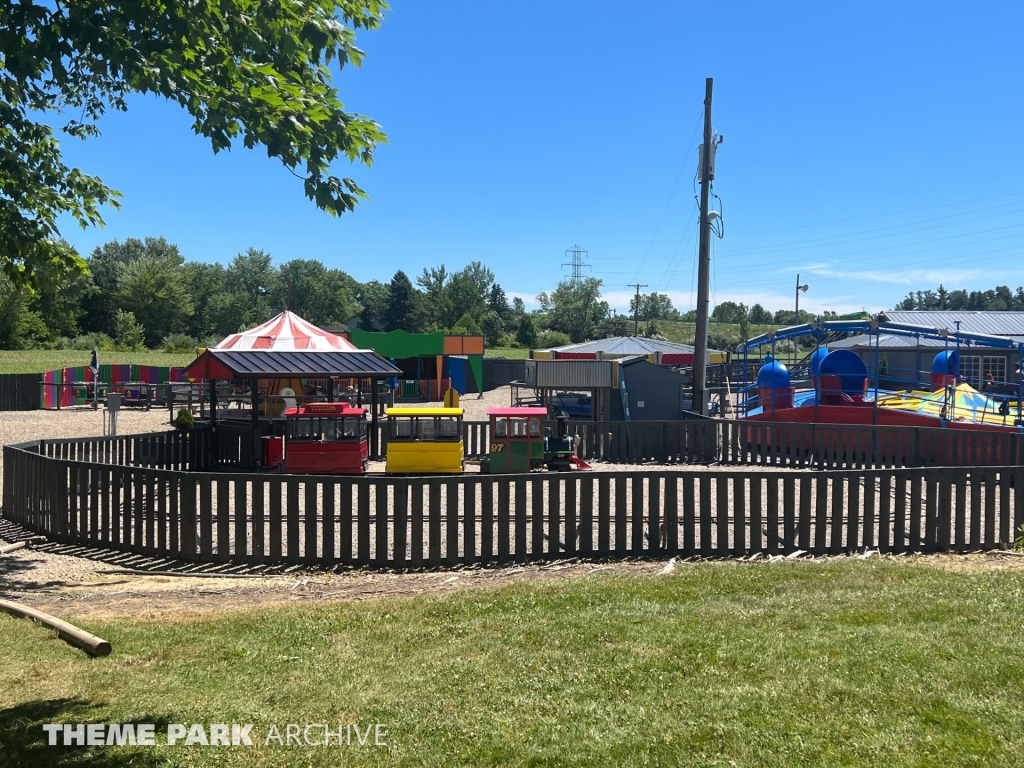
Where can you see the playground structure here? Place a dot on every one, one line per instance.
(837, 387)
(429, 363)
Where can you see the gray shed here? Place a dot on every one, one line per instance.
(654, 393)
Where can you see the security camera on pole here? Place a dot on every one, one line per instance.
(796, 318)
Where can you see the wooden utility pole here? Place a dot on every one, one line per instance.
(636, 307)
(700, 352)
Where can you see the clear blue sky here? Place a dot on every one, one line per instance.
(874, 148)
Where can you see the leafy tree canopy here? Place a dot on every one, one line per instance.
(247, 71)
(575, 308)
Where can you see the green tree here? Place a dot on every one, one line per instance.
(433, 280)
(493, 328)
(247, 72)
(20, 328)
(374, 298)
(759, 315)
(155, 291)
(729, 312)
(575, 308)
(207, 287)
(128, 334)
(497, 302)
(653, 306)
(105, 264)
(526, 333)
(321, 295)
(612, 327)
(405, 306)
(251, 278)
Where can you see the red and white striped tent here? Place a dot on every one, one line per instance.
(287, 331)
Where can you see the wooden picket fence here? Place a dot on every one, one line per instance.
(20, 392)
(116, 499)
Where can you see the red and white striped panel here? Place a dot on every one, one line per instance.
(287, 331)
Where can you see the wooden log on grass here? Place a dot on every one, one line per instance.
(69, 633)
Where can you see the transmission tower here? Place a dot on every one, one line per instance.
(577, 264)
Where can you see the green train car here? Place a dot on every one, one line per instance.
(518, 443)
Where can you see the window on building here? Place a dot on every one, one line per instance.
(976, 366)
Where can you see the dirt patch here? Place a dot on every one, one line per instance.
(95, 594)
(972, 561)
(180, 598)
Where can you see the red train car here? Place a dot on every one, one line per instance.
(326, 439)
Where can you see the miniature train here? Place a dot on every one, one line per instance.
(519, 445)
(332, 438)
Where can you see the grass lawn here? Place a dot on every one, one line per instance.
(507, 352)
(39, 360)
(844, 663)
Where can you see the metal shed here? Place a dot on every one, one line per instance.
(628, 389)
(657, 351)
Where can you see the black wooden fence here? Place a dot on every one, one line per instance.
(20, 392)
(822, 446)
(499, 372)
(426, 522)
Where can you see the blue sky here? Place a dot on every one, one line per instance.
(873, 148)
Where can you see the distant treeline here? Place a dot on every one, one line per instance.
(141, 294)
(999, 299)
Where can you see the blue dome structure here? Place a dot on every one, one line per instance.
(816, 357)
(947, 363)
(848, 367)
(773, 375)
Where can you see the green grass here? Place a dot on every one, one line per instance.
(847, 663)
(684, 333)
(39, 360)
(508, 352)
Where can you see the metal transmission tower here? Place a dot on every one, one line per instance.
(577, 262)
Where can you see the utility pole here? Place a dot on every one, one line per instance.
(636, 307)
(700, 351)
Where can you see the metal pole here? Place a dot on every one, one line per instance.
(700, 351)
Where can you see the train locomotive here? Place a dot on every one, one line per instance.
(519, 445)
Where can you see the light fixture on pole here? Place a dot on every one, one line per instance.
(796, 320)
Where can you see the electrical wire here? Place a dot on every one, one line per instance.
(679, 175)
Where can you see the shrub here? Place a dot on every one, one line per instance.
(550, 339)
(179, 342)
(88, 342)
(128, 334)
(184, 420)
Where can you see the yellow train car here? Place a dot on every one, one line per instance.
(424, 441)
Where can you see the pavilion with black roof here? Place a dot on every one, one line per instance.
(252, 365)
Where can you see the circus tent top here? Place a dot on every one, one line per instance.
(287, 331)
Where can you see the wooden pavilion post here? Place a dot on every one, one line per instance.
(374, 437)
(254, 396)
